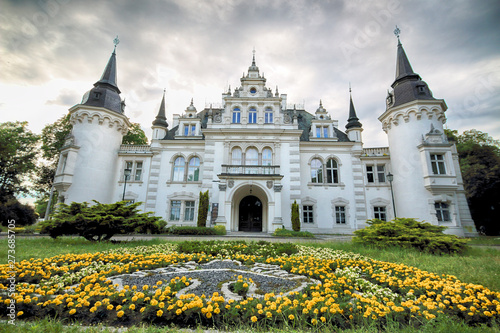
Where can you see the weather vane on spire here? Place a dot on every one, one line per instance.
(116, 41)
(397, 32)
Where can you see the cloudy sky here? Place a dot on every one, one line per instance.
(52, 51)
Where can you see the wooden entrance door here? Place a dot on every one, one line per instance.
(250, 218)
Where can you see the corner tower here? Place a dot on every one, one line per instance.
(88, 161)
(427, 180)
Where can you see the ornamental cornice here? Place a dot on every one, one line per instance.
(100, 116)
(400, 116)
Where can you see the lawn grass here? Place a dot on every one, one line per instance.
(485, 240)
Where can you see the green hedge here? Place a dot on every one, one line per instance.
(188, 230)
(405, 232)
(291, 233)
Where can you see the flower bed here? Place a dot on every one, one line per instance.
(353, 290)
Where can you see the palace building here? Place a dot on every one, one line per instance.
(257, 155)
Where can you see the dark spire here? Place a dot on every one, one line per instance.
(353, 121)
(160, 119)
(108, 77)
(253, 67)
(408, 86)
(105, 92)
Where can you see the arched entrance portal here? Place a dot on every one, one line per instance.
(250, 217)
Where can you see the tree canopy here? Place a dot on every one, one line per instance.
(18, 154)
(479, 156)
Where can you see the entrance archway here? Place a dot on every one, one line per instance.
(250, 214)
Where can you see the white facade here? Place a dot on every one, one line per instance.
(256, 156)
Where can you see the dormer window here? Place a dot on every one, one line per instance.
(97, 95)
(421, 89)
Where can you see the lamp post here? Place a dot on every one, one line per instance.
(390, 178)
(127, 173)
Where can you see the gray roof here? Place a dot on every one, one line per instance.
(408, 86)
(105, 92)
(353, 121)
(160, 119)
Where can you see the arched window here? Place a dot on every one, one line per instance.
(316, 171)
(236, 115)
(267, 156)
(332, 171)
(179, 165)
(193, 169)
(252, 157)
(252, 115)
(236, 156)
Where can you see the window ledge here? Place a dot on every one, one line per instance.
(326, 184)
(198, 182)
(131, 182)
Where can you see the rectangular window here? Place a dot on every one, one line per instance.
(193, 130)
(252, 117)
(175, 210)
(370, 175)
(381, 173)
(189, 211)
(186, 130)
(438, 165)
(318, 132)
(268, 117)
(340, 214)
(442, 212)
(138, 171)
(379, 213)
(307, 212)
(236, 117)
(325, 132)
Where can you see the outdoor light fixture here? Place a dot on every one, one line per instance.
(127, 173)
(390, 178)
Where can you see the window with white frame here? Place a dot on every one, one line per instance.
(179, 167)
(438, 164)
(135, 168)
(236, 115)
(193, 169)
(268, 116)
(252, 115)
(332, 171)
(340, 215)
(175, 210)
(322, 132)
(307, 214)
(189, 210)
(251, 157)
(375, 173)
(189, 129)
(64, 159)
(442, 211)
(316, 171)
(379, 212)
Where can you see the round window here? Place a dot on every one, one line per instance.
(253, 90)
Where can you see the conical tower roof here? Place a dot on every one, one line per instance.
(160, 119)
(353, 121)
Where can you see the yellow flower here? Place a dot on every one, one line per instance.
(110, 307)
(72, 311)
(253, 319)
(314, 321)
(142, 309)
(209, 315)
(178, 312)
(120, 314)
(20, 313)
(323, 319)
(159, 313)
(145, 287)
(291, 317)
(132, 307)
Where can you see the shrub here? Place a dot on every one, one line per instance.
(291, 233)
(295, 216)
(407, 232)
(101, 221)
(203, 209)
(190, 230)
(23, 214)
(220, 230)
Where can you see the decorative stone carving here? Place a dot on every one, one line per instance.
(230, 183)
(269, 184)
(277, 188)
(222, 187)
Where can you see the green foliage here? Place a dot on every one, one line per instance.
(220, 230)
(290, 233)
(135, 136)
(479, 156)
(22, 214)
(295, 216)
(101, 221)
(18, 153)
(190, 230)
(203, 209)
(404, 232)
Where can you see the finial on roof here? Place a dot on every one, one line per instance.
(116, 41)
(160, 119)
(397, 31)
(253, 60)
(349, 87)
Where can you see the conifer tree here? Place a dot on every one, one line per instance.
(203, 209)
(295, 216)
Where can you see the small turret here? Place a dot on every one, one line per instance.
(353, 127)
(160, 125)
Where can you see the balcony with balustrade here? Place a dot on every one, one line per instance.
(250, 171)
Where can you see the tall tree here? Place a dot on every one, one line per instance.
(135, 136)
(479, 156)
(18, 153)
